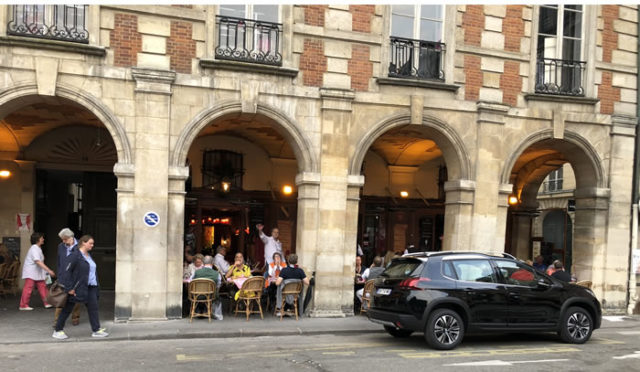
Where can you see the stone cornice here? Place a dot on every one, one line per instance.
(416, 83)
(561, 99)
(248, 67)
(60, 46)
(153, 81)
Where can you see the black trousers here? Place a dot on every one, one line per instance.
(92, 309)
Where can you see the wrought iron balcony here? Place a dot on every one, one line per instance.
(416, 59)
(57, 22)
(560, 76)
(248, 40)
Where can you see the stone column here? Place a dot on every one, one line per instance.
(590, 235)
(125, 285)
(458, 211)
(332, 205)
(150, 255)
(618, 252)
(354, 185)
(489, 211)
(308, 185)
(175, 240)
(27, 205)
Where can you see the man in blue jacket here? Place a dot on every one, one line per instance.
(66, 247)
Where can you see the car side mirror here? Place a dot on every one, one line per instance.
(543, 283)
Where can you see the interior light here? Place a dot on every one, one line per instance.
(287, 189)
(226, 186)
(5, 173)
(513, 200)
(404, 194)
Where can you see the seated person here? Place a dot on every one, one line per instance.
(273, 273)
(552, 268)
(539, 264)
(238, 273)
(522, 275)
(208, 272)
(559, 273)
(220, 261)
(292, 271)
(371, 273)
(195, 265)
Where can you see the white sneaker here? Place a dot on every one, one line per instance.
(48, 306)
(100, 333)
(28, 308)
(60, 335)
(217, 317)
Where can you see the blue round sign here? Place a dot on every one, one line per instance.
(151, 219)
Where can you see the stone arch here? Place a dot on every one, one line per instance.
(300, 144)
(20, 95)
(452, 147)
(579, 152)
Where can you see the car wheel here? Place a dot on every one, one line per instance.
(397, 332)
(444, 329)
(577, 326)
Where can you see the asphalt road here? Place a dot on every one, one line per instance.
(610, 349)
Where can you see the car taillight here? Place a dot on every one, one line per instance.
(412, 283)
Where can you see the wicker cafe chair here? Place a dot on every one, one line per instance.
(224, 291)
(3, 270)
(10, 280)
(251, 292)
(366, 296)
(292, 289)
(201, 291)
(585, 283)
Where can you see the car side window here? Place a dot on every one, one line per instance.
(517, 274)
(447, 270)
(474, 271)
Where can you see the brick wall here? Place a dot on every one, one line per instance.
(473, 24)
(511, 82)
(609, 36)
(607, 93)
(313, 62)
(125, 40)
(314, 15)
(361, 17)
(473, 77)
(513, 28)
(360, 68)
(181, 47)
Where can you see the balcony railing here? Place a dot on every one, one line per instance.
(57, 22)
(560, 76)
(416, 59)
(248, 40)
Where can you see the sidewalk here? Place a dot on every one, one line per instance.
(18, 327)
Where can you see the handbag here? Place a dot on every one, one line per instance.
(57, 295)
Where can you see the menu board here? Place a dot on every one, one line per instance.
(13, 244)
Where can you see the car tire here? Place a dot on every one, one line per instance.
(576, 326)
(397, 332)
(444, 329)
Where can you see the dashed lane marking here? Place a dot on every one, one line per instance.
(487, 352)
(604, 341)
(344, 353)
(629, 333)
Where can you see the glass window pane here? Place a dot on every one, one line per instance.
(430, 30)
(267, 13)
(546, 46)
(517, 274)
(548, 21)
(406, 10)
(574, 7)
(571, 49)
(474, 271)
(229, 10)
(402, 26)
(572, 24)
(431, 11)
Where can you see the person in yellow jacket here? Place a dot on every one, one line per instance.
(238, 273)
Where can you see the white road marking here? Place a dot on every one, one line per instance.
(635, 355)
(501, 362)
(629, 333)
(615, 318)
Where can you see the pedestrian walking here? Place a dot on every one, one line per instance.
(81, 281)
(34, 273)
(68, 245)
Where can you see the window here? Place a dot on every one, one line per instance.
(59, 22)
(554, 181)
(517, 274)
(474, 271)
(416, 47)
(249, 33)
(222, 170)
(559, 54)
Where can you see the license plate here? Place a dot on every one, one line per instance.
(383, 291)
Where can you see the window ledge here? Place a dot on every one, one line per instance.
(431, 84)
(248, 67)
(63, 46)
(561, 98)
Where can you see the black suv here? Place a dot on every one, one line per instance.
(448, 294)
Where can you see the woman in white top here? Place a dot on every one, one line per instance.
(34, 272)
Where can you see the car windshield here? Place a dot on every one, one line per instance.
(402, 268)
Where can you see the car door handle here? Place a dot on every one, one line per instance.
(515, 296)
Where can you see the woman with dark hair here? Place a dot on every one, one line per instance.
(80, 279)
(34, 272)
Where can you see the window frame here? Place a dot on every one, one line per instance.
(417, 17)
(504, 280)
(560, 30)
(249, 12)
(494, 274)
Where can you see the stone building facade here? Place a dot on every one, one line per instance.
(371, 113)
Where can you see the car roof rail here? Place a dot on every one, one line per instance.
(447, 253)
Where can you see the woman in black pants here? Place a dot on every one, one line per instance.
(81, 280)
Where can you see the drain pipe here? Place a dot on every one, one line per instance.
(633, 294)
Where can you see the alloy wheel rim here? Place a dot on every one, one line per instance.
(446, 329)
(578, 326)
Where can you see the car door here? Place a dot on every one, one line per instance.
(478, 285)
(534, 301)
